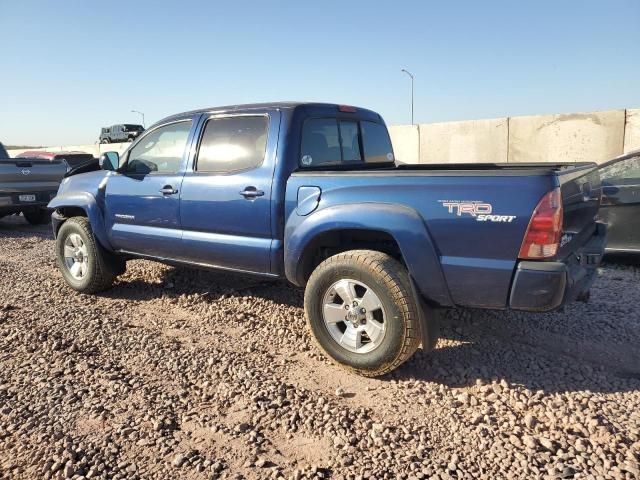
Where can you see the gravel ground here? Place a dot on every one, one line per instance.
(178, 373)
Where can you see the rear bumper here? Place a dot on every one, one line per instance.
(546, 286)
(11, 202)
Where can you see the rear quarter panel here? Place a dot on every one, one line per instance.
(477, 258)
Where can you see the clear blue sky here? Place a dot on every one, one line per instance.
(70, 67)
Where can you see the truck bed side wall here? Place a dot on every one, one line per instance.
(477, 257)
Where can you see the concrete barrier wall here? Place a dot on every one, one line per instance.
(96, 149)
(632, 130)
(572, 137)
(475, 141)
(406, 143)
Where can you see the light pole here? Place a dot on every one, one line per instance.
(411, 75)
(136, 111)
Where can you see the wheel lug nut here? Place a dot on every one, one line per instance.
(363, 321)
(362, 310)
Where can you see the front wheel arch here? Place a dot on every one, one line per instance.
(77, 246)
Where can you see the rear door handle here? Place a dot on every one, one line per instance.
(251, 192)
(168, 190)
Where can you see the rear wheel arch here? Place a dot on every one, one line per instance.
(332, 242)
(397, 230)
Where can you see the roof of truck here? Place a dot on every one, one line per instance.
(256, 106)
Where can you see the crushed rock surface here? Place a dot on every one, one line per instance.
(179, 373)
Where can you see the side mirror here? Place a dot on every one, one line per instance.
(110, 161)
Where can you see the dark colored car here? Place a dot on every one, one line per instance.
(125, 132)
(620, 207)
(73, 159)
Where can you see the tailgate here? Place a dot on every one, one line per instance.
(581, 190)
(30, 175)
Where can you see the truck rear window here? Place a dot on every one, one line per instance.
(332, 141)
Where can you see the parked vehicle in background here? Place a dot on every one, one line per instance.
(620, 206)
(73, 159)
(125, 132)
(28, 184)
(311, 193)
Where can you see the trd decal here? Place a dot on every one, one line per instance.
(481, 211)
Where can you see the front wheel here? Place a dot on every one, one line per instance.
(85, 265)
(104, 140)
(361, 311)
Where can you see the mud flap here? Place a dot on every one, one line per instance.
(429, 321)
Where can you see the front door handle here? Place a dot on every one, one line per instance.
(168, 190)
(251, 192)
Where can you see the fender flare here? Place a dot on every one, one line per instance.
(402, 223)
(88, 203)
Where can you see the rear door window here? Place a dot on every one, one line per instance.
(332, 141)
(232, 144)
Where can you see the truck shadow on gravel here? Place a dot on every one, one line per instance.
(501, 349)
(584, 348)
(18, 226)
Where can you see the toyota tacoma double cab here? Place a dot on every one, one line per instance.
(311, 193)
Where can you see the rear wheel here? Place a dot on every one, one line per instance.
(85, 265)
(39, 216)
(361, 311)
(104, 140)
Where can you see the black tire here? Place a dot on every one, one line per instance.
(39, 216)
(390, 281)
(102, 267)
(130, 139)
(105, 140)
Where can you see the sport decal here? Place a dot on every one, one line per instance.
(481, 211)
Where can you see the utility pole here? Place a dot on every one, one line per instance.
(136, 111)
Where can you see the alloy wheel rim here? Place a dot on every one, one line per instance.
(354, 316)
(76, 256)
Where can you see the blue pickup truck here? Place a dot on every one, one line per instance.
(312, 193)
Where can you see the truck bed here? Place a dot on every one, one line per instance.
(471, 252)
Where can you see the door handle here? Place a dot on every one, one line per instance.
(251, 192)
(168, 190)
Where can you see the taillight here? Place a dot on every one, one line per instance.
(545, 228)
(347, 109)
